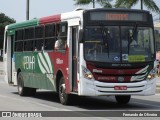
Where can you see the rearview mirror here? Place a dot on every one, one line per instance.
(80, 35)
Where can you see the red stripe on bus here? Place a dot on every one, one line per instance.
(50, 19)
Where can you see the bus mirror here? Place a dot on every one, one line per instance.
(80, 35)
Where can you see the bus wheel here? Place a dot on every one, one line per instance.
(63, 96)
(122, 99)
(21, 89)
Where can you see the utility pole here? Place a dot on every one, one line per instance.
(93, 3)
(27, 9)
(141, 4)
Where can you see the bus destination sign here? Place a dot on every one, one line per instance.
(111, 16)
(117, 16)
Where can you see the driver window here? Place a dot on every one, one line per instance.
(61, 42)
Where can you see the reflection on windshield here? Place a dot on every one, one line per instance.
(102, 45)
(118, 44)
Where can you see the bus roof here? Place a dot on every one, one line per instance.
(28, 23)
(59, 17)
(50, 19)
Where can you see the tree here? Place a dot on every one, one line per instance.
(4, 20)
(104, 3)
(150, 4)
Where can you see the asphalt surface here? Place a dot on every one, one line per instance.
(49, 101)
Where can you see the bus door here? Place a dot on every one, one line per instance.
(8, 56)
(74, 57)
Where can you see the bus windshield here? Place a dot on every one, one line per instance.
(119, 44)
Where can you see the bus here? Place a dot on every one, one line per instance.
(93, 52)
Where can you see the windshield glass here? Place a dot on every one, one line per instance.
(118, 44)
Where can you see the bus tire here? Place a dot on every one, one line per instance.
(122, 99)
(63, 96)
(24, 91)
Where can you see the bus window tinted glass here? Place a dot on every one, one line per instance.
(29, 33)
(39, 45)
(39, 32)
(19, 46)
(28, 45)
(49, 44)
(50, 30)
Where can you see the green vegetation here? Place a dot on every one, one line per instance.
(150, 4)
(4, 20)
(103, 3)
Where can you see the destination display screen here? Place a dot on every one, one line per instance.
(118, 16)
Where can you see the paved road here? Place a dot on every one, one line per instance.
(48, 101)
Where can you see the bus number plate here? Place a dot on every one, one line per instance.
(120, 87)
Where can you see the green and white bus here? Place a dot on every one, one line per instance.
(82, 52)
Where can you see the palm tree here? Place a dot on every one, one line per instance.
(150, 4)
(104, 3)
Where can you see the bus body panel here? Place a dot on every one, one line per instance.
(95, 88)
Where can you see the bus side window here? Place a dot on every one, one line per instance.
(61, 42)
(39, 38)
(50, 32)
(19, 40)
(39, 45)
(28, 39)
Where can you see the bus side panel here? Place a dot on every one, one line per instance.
(37, 70)
(44, 67)
(22, 61)
(60, 61)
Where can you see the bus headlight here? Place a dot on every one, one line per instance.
(86, 73)
(152, 74)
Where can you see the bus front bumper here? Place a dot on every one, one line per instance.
(96, 88)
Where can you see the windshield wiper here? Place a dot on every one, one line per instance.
(105, 38)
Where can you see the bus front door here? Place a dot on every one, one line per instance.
(74, 58)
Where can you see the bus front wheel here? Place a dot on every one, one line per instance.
(63, 96)
(122, 99)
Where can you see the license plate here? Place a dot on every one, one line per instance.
(120, 87)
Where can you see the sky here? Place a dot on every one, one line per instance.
(16, 9)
